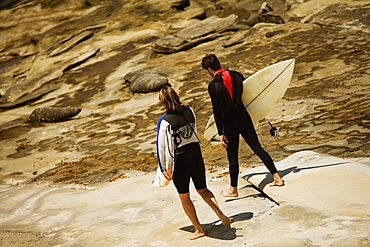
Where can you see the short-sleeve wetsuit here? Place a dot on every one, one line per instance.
(176, 139)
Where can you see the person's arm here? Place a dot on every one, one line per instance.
(195, 120)
(237, 86)
(216, 106)
(169, 152)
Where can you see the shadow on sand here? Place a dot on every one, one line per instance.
(217, 230)
(244, 197)
(268, 179)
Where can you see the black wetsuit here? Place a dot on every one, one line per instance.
(232, 119)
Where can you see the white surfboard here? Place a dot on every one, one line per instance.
(261, 92)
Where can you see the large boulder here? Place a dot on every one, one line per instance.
(191, 36)
(145, 81)
(53, 114)
(273, 11)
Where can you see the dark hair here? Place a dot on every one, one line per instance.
(170, 100)
(211, 61)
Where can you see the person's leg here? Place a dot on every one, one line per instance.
(251, 138)
(278, 181)
(210, 199)
(198, 175)
(181, 180)
(232, 150)
(190, 211)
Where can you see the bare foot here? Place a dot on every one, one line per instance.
(228, 193)
(276, 183)
(225, 220)
(197, 234)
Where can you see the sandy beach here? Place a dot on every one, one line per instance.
(131, 212)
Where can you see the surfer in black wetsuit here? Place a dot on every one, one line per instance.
(232, 120)
(177, 142)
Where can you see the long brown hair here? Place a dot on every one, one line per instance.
(170, 99)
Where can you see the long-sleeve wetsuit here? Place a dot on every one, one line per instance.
(232, 119)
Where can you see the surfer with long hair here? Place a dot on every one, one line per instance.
(232, 120)
(177, 140)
